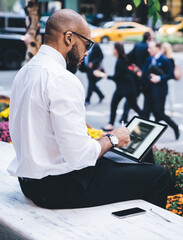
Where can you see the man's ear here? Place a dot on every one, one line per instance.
(68, 38)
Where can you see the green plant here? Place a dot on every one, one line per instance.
(172, 39)
(133, 39)
(173, 162)
(153, 8)
(179, 179)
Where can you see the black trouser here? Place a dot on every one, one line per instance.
(127, 107)
(105, 183)
(117, 96)
(156, 105)
(92, 87)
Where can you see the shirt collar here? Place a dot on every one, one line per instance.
(157, 55)
(45, 49)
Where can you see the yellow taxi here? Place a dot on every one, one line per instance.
(117, 31)
(174, 27)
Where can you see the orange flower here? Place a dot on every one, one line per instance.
(174, 211)
(168, 205)
(178, 171)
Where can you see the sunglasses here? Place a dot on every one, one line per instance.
(89, 43)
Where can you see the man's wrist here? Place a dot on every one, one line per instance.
(113, 139)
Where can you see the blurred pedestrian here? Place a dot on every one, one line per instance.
(90, 64)
(167, 51)
(137, 58)
(157, 71)
(124, 85)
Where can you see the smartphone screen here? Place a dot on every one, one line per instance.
(128, 212)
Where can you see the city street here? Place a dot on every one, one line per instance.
(97, 115)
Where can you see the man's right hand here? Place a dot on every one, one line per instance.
(123, 135)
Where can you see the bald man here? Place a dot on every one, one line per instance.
(58, 164)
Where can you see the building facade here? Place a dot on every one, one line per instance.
(122, 8)
(98, 10)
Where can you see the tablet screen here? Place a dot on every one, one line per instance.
(143, 134)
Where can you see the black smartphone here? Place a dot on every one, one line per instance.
(128, 212)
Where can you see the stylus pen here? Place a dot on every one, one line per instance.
(122, 124)
(160, 216)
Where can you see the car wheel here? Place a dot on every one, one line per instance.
(105, 39)
(11, 59)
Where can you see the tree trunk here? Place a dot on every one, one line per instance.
(33, 37)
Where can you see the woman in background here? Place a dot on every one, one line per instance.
(125, 86)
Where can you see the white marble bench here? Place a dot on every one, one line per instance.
(21, 219)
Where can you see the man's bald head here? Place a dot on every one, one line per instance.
(68, 33)
(65, 20)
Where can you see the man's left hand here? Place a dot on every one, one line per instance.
(154, 78)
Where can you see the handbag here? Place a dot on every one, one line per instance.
(156, 70)
(177, 72)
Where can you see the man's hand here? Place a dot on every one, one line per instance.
(123, 135)
(154, 78)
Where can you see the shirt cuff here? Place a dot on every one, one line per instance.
(159, 79)
(98, 149)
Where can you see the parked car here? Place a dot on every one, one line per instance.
(12, 45)
(173, 27)
(12, 50)
(117, 31)
(12, 22)
(15, 23)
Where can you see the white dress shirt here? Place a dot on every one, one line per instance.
(154, 59)
(47, 119)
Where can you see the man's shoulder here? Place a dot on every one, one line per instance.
(51, 71)
(141, 45)
(163, 58)
(44, 63)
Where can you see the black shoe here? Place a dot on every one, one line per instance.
(177, 133)
(101, 99)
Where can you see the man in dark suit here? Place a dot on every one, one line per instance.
(137, 56)
(139, 53)
(91, 63)
(157, 71)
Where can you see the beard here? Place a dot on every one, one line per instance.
(73, 59)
